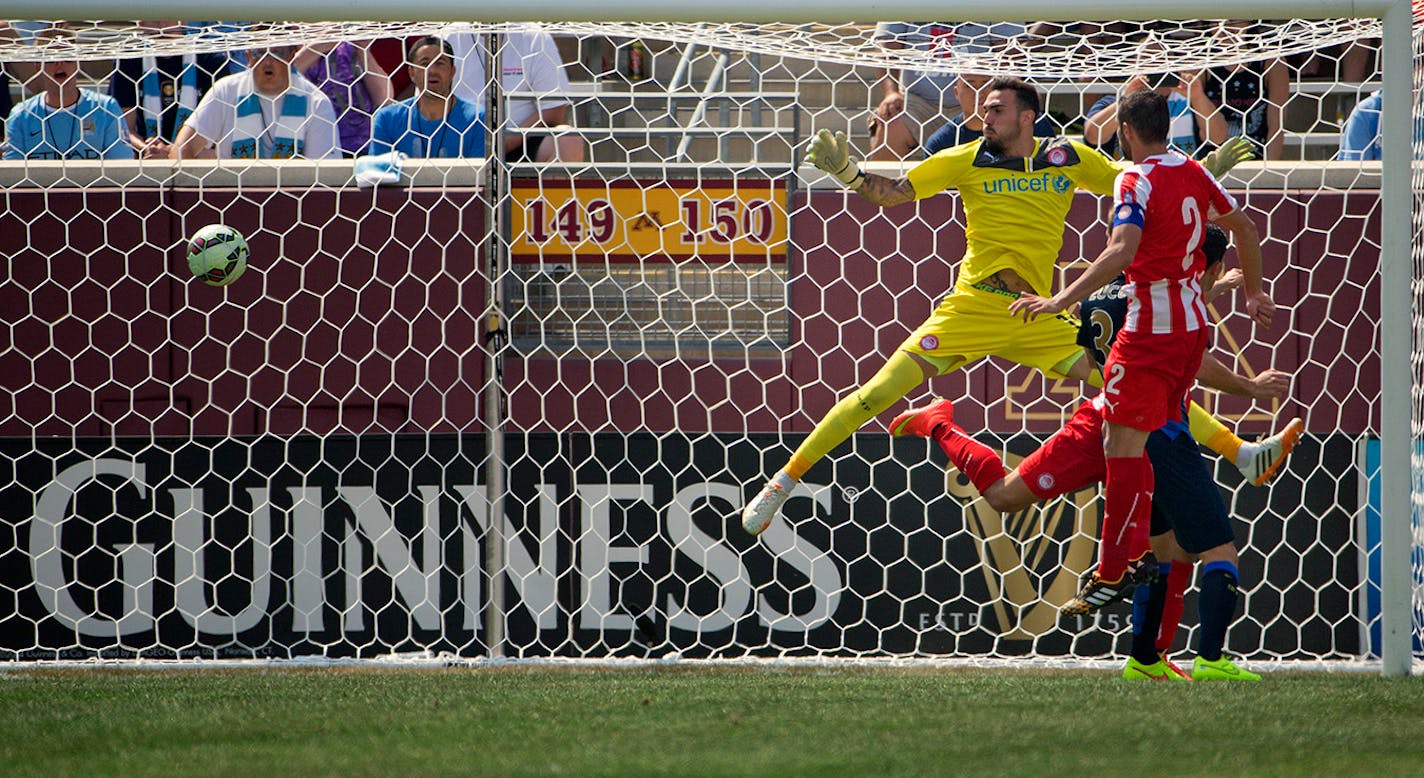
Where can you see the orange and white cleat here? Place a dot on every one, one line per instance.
(1260, 461)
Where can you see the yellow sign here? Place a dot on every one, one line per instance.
(730, 220)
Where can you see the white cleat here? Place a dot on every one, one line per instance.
(760, 512)
(1260, 461)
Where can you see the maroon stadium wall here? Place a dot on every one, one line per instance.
(101, 319)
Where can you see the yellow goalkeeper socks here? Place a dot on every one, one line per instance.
(895, 380)
(1210, 432)
(797, 466)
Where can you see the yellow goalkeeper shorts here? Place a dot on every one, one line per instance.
(972, 323)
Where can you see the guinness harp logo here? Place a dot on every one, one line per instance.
(1032, 561)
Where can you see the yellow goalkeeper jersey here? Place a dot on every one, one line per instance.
(1015, 207)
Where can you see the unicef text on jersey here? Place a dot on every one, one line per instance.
(1048, 182)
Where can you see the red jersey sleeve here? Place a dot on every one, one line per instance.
(1221, 201)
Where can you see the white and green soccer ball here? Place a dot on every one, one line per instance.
(217, 254)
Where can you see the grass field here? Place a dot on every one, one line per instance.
(700, 721)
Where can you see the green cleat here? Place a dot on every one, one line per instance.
(1220, 670)
(1160, 670)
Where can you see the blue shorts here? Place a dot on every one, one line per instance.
(1185, 498)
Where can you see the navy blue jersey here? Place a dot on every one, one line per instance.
(1101, 316)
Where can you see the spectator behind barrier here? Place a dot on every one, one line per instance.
(433, 123)
(1360, 139)
(23, 31)
(62, 121)
(1196, 128)
(354, 82)
(157, 94)
(266, 112)
(531, 63)
(914, 102)
(1250, 96)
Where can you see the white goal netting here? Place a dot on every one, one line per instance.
(497, 404)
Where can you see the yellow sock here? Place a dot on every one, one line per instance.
(894, 381)
(1210, 432)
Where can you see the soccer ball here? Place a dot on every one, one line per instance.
(217, 254)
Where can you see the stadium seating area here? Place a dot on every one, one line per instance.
(700, 105)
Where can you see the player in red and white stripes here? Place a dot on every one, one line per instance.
(1160, 210)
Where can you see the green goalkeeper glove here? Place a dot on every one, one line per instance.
(831, 153)
(1229, 155)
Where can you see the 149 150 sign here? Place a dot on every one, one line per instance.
(737, 221)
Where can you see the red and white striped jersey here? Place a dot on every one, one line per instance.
(1170, 198)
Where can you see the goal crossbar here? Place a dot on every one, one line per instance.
(725, 10)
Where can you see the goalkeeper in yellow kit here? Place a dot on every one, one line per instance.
(1017, 190)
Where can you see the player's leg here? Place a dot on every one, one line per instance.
(903, 372)
(1179, 577)
(982, 465)
(963, 327)
(1259, 460)
(1127, 500)
(1142, 386)
(1178, 474)
(1192, 502)
(1216, 606)
(1147, 380)
(1145, 662)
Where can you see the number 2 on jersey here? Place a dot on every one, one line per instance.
(1192, 217)
(1117, 370)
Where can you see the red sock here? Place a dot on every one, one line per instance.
(974, 459)
(1177, 581)
(1127, 515)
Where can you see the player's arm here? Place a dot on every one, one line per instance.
(1096, 171)
(831, 153)
(1267, 385)
(1122, 246)
(1231, 279)
(1259, 305)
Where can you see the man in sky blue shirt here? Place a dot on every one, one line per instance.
(434, 123)
(1361, 137)
(63, 121)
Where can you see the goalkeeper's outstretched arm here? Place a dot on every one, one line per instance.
(831, 153)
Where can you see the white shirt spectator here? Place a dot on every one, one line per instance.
(531, 63)
(245, 124)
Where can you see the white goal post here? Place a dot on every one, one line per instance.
(1400, 483)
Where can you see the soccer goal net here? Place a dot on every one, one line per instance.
(519, 337)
